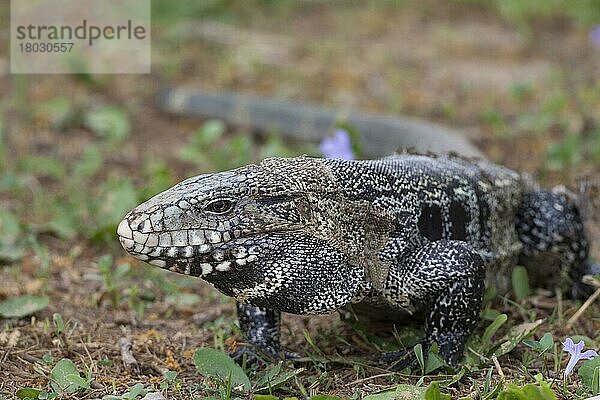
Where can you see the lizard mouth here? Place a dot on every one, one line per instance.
(199, 260)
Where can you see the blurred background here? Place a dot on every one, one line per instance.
(520, 79)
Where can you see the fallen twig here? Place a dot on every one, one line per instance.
(498, 368)
(582, 309)
(356, 382)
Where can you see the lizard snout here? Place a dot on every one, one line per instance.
(137, 237)
(125, 234)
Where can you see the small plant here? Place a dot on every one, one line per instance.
(231, 377)
(543, 345)
(136, 391)
(589, 372)
(108, 122)
(65, 378)
(170, 380)
(22, 306)
(59, 324)
(112, 279)
(541, 391)
(520, 282)
(566, 153)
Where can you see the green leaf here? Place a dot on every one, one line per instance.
(28, 393)
(214, 363)
(116, 199)
(58, 112)
(491, 330)
(274, 377)
(546, 342)
(516, 335)
(105, 362)
(11, 248)
(135, 391)
(183, 299)
(325, 397)
(520, 282)
(157, 178)
(211, 131)
(274, 146)
(11, 252)
(489, 314)
(586, 340)
(42, 166)
(64, 222)
(533, 344)
(59, 324)
(108, 122)
(65, 377)
(433, 360)
(566, 153)
(402, 391)
(170, 375)
(202, 144)
(90, 162)
(265, 397)
(433, 392)
(10, 229)
(385, 395)
(418, 349)
(22, 306)
(528, 392)
(239, 149)
(586, 372)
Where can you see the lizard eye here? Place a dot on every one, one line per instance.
(220, 206)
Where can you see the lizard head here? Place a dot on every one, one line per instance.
(250, 232)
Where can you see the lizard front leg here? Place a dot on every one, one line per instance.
(261, 327)
(445, 280)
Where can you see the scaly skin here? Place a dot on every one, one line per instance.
(405, 235)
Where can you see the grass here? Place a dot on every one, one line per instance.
(78, 153)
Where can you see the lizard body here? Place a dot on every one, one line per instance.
(408, 234)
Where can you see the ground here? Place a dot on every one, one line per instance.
(521, 83)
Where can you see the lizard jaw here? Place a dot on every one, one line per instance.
(213, 254)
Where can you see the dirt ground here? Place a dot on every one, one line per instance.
(513, 93)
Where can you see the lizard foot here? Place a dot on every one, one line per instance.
(450, 349)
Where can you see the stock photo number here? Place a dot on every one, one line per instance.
(43, 47)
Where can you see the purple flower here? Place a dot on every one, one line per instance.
(595, 36)
(337, 145)
(575, 352)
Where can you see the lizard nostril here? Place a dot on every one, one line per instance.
(141, 227)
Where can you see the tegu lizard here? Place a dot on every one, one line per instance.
(407, 235)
